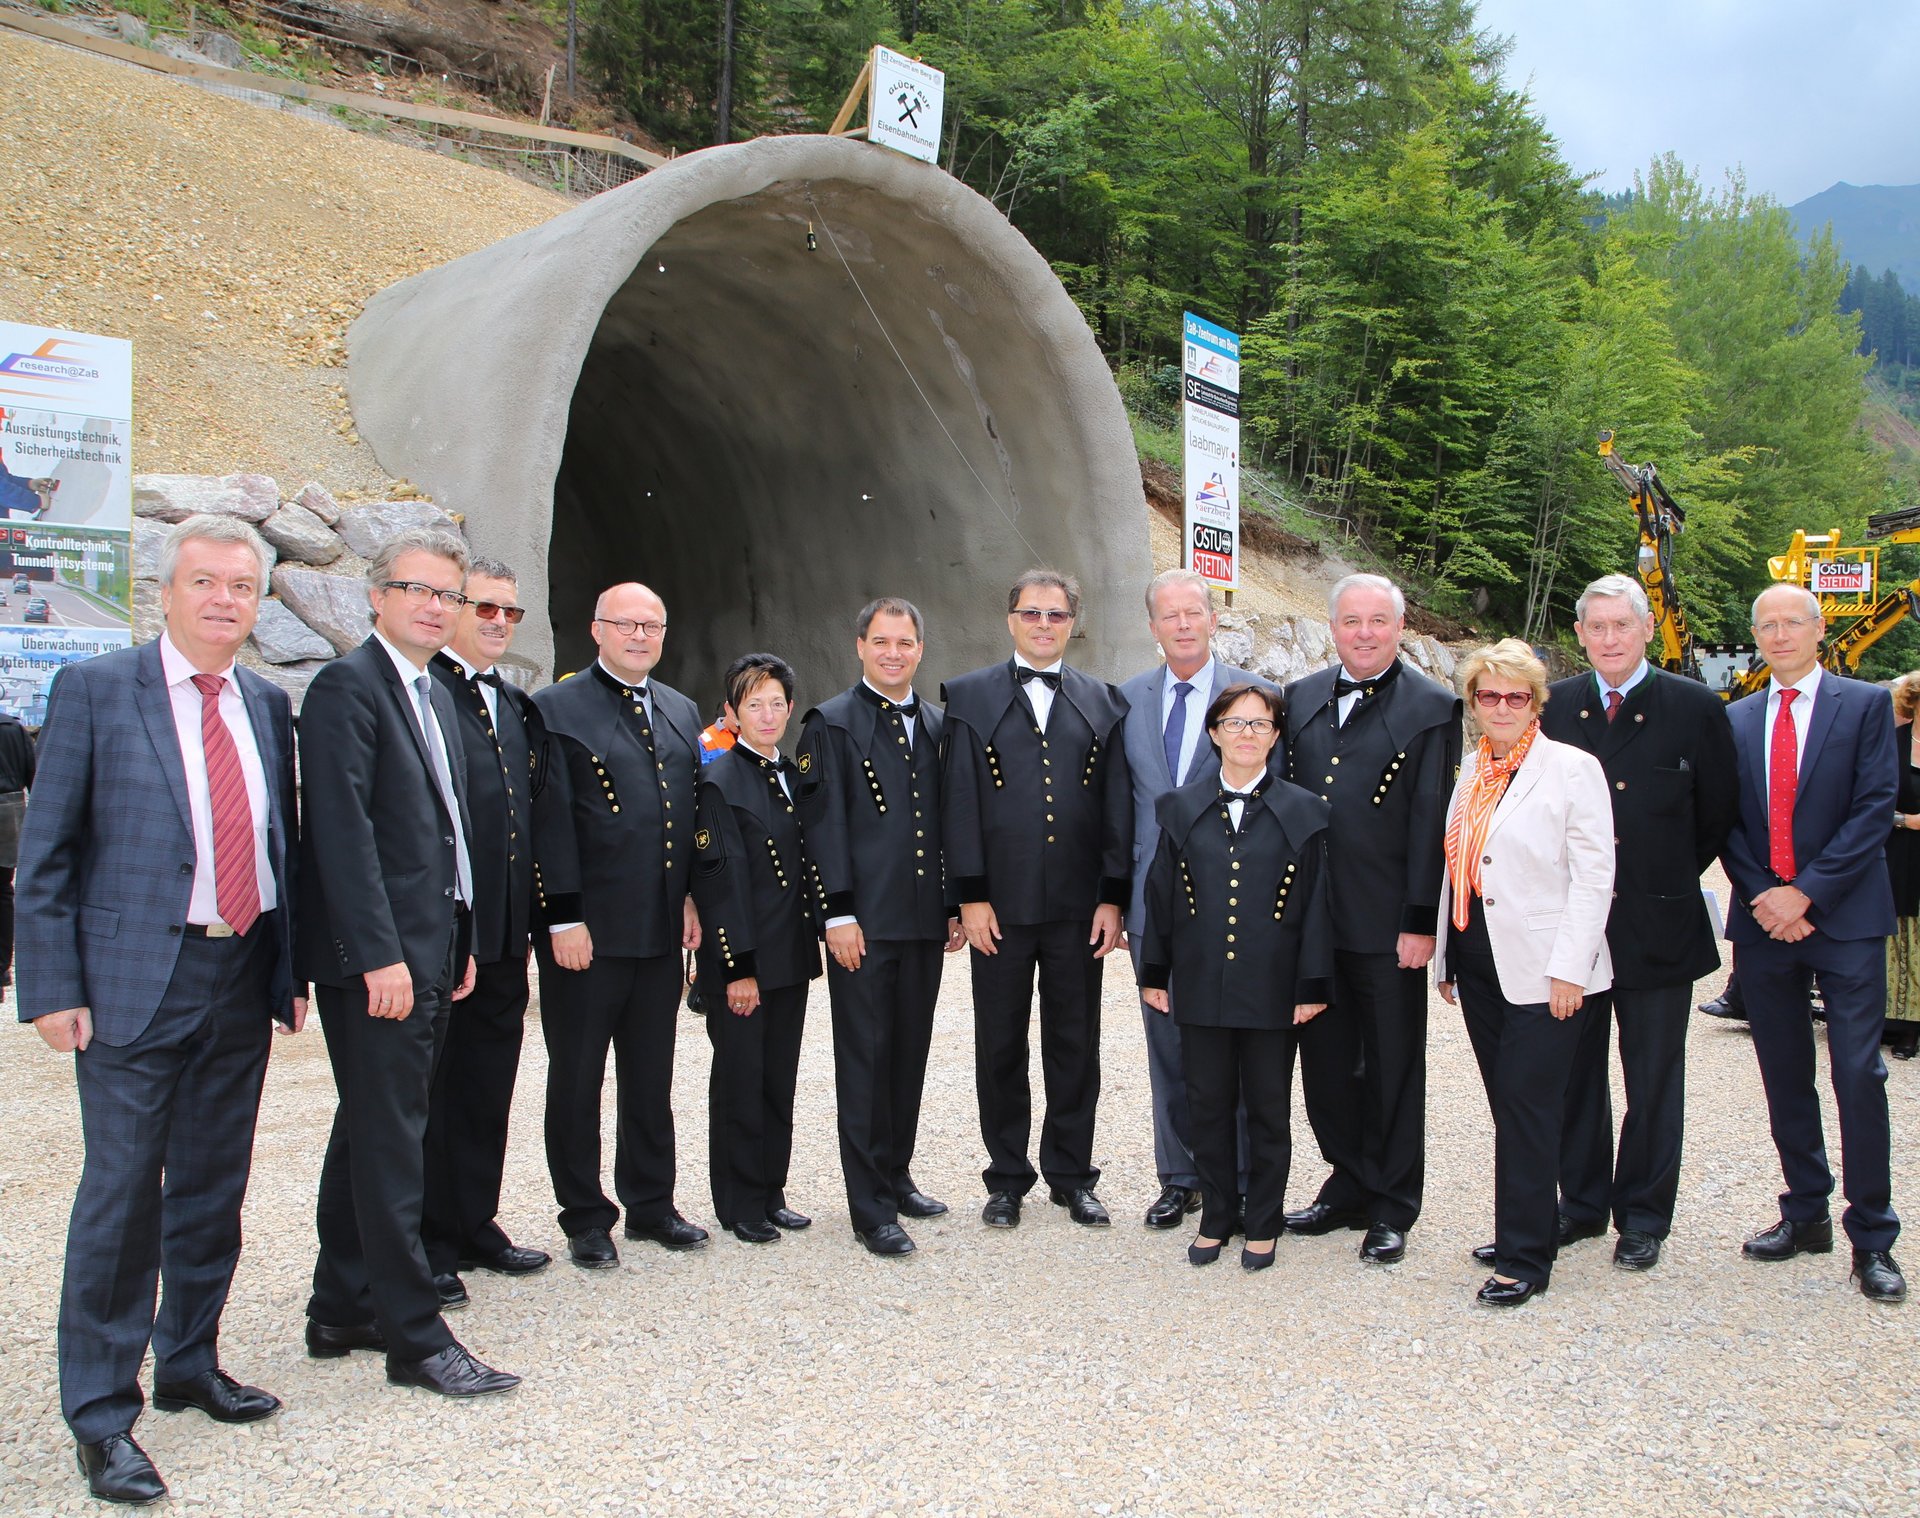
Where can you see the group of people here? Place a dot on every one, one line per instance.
(1287, 867)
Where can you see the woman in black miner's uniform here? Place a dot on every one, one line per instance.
(1237, 932)
(759, 938)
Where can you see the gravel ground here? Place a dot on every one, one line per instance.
(1052, 1369)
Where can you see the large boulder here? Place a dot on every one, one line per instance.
(147, 538)
(283, 638)
(319, 500)
(175, 497)
(367, 527)
(302, 536)
(335, 606)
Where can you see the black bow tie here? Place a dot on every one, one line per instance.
(1342, 686)
(907, 708)
(484, 677)
(1225, 796)
(1026, 675)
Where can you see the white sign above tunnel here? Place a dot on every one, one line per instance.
(905, 105)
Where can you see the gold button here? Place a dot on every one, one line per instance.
(1049, 838)
(1329, 780)
(1335, 759)
(1233, 901)
(616, 806)
(922, 853)
(1229, 954)
(1230, 938)
(1619, 785)
(1232, 920)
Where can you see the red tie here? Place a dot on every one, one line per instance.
(1613, 704)
(1783, 782)
(236, 887)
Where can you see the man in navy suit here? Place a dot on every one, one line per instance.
(1167, 746)
(1817, 776)
(155, 916)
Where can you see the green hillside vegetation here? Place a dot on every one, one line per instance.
(1876, 226)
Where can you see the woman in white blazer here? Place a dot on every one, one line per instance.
(1523, 940)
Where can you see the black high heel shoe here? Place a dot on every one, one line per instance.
(1202, 1254)
(1249, 1260)
(1498, 1293)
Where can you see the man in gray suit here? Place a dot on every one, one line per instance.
(155, 942)
(1167, 747)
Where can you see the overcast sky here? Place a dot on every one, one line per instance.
(1799, 93)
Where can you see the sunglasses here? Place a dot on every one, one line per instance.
(1052, 615)
(486, 611)
(1517, 700)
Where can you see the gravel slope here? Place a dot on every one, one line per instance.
(1050, 1370)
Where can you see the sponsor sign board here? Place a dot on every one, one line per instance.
(904, 105)
(1210, 414)
(1841, 577)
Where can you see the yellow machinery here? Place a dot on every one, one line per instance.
(1844, 577)
(1661, 520)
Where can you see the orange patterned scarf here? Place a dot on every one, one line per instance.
(1467, 827)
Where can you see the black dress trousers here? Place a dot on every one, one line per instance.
(630, 1005)
(1059, 956)
(756, 1067)
(1224, 1068)
(882, 1031)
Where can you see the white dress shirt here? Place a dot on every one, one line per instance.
(409, 672)
(488, 693)
(204, 907)
(1237, 807)
(1039, 693)
(1625, 687)
(1802, 712)
(1344, 707)
(638, 687)
(1202, 682)
(907, 718)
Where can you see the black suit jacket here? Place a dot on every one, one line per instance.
(755, 887)
(1669, 760)
(613, 827)
(871, 805)
(1237, 922)
(377, 858)
(1388, 773)
(1038, 824)
(502, 766)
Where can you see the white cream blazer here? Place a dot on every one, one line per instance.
(1546, 873)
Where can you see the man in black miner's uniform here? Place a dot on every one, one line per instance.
(758, 898)
(1038, 823)
(499, 743)
(870, 797)
(1381, 743)
(615, 848)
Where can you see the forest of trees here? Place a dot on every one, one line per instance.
(1439, 315)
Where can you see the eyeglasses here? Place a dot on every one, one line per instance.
(1517, 700)
(1789, 624)
(1053, 616)
(1258, 726)
(764, 706)
(486, 611)
(417, 594)
(627, 629)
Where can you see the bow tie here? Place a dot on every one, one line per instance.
(1342, 686)
(484, 677)
(1026, 675)
(1225, 796)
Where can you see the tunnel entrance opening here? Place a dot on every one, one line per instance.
(768, 434)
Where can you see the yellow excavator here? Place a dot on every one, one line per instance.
(1844, 577)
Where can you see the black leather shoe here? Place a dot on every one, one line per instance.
(1249, 1260)
(326, 1341)
(592, 1250)
(118, 1469)
(1321, 1218)
(452, 1373)
(887, 1239)
(1383, 1245)
(914, 1203)
(1635, 1250)
(1486, 1254)
(1721, 1007)
(510, 1261)
(1173, 1203)
(753, 1233)
(453, 1292)
(786, 1217)
(218, 1395)
(1082, 1206)
(1785, 1240)
(1002, 1210)
(670, 1232)
(1507, 1293)
(1880, 1279)
(1566, 1231)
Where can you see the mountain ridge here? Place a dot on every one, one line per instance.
(1877, 226)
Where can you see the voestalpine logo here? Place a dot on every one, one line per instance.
(52, 363)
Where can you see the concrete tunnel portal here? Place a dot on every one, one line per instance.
(669, 384)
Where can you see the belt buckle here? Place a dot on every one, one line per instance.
(219, 930)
